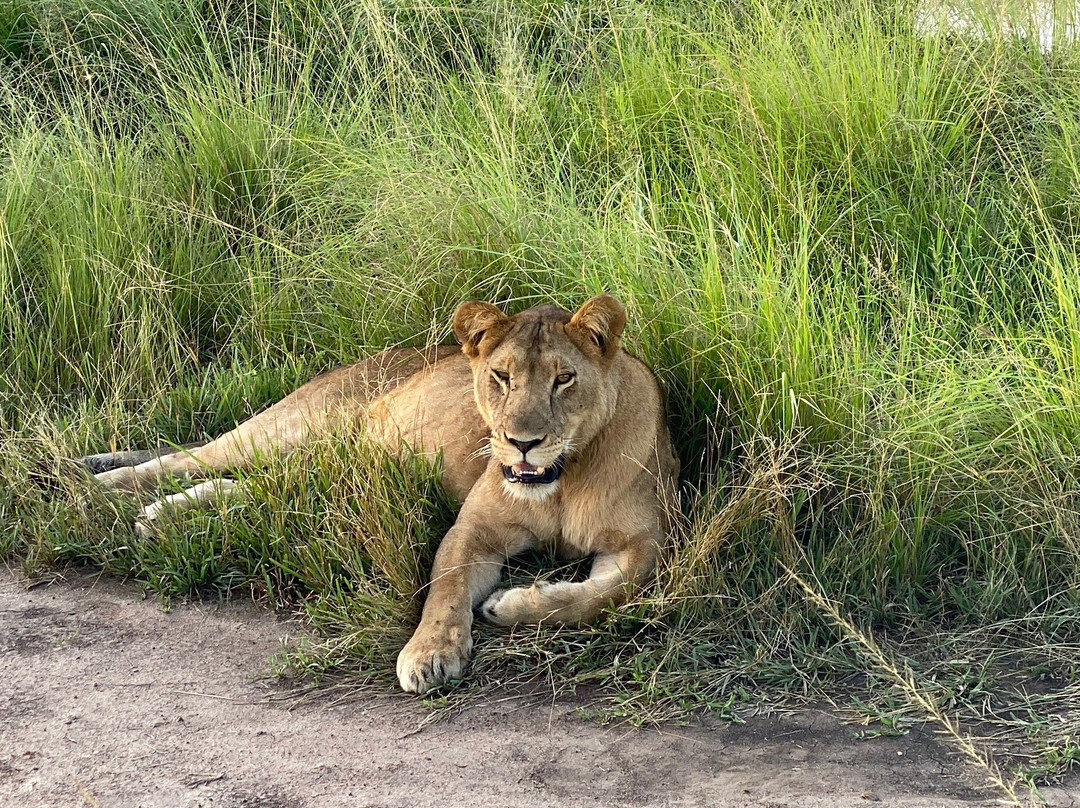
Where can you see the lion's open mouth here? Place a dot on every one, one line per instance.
(528, 474)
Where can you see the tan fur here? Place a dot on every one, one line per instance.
(543, 387)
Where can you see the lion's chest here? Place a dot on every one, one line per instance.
(581, 523)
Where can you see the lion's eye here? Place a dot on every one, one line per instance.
(563, 378)
(501, 376)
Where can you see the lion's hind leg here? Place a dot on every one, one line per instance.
(324, 404)
(108, 461)
(204, 496)
(280, 429)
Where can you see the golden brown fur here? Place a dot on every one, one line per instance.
(580, 459)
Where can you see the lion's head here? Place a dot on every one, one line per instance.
(543, 383)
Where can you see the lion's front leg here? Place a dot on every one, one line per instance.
(614, 575)
(467, 567)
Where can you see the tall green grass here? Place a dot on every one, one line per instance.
(847, 242)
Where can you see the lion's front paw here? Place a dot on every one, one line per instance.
(507, 607)
(496, 608)
(428, 661)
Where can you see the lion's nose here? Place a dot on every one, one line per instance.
(525, 445)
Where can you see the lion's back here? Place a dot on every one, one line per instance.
(424, 398)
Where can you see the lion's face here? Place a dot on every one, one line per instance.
(542, 383)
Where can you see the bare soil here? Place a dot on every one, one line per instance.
(108, 700)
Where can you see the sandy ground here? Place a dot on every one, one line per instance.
(107, 700)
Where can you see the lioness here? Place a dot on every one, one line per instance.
(551, 435)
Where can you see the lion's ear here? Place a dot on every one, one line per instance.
(474, 322)
(602, 321)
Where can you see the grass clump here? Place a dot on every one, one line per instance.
(846, 237)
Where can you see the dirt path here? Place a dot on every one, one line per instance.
(109, 701)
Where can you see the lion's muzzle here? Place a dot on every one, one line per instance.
(528, 474)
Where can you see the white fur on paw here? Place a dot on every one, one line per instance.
(145, 529)
(144, 522)
(491, 609)
(505, 607)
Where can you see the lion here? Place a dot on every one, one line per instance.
(551, 435)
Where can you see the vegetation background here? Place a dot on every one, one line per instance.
(846, 237)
